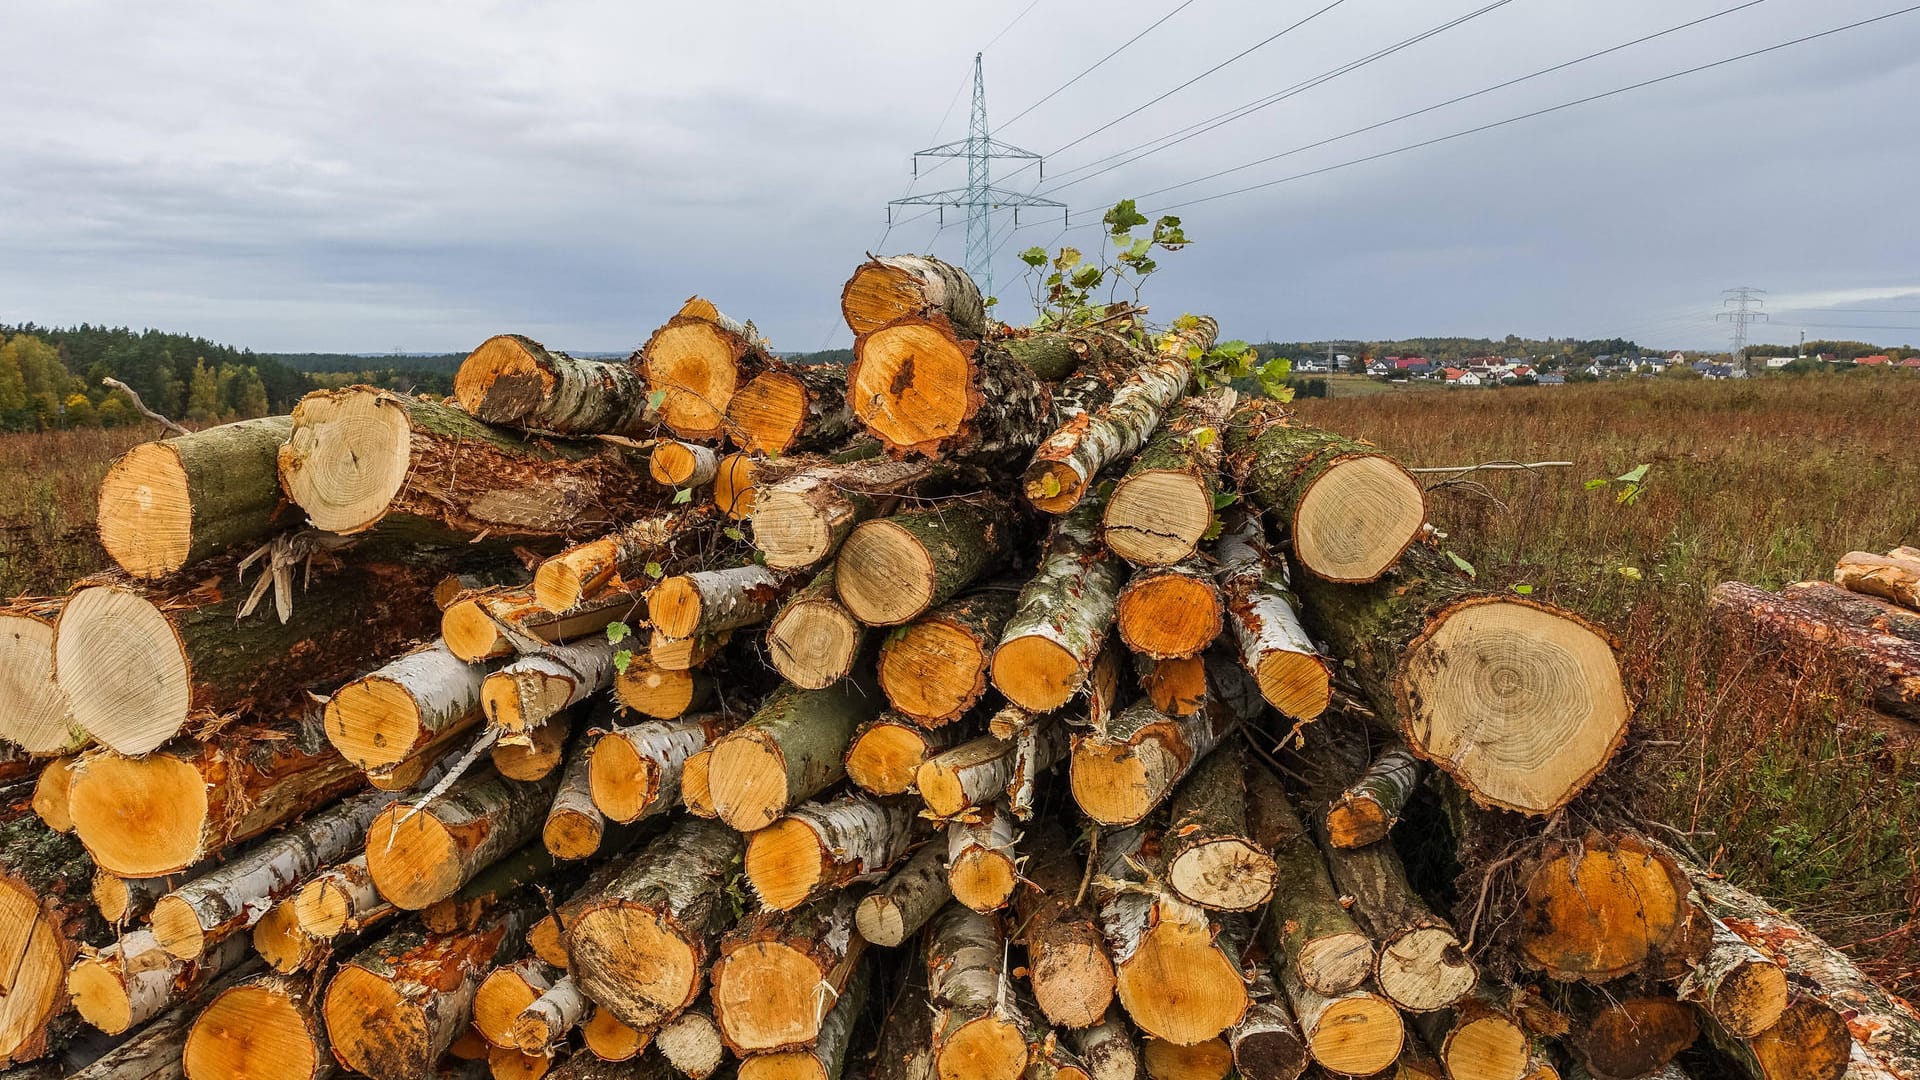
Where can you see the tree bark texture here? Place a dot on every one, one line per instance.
(1889, 577)
(1271, 642)
(515, 381)
(635, 772)
(790, 408)
(981, 770)
(1049, 644)
(895, 569)
(1214, 860)
(1365, 812)
(803, 511)
(419, 855)
(1886, 666)
(586, 570)
(821, 847)
(1067, 961)
(902, 904)
(793, 748)
(166, 504)
(896, 286)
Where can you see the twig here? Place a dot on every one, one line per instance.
(1493, 466)
(116, 384)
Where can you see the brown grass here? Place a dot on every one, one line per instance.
(47, 485)
(1767, 482)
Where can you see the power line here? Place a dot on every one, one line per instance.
(1239, 112)
(1003, 30)
(1102, 60)
(1746, 304)
(1858, 311)
(1457, 100)
(1845, 326)
(1642, 84)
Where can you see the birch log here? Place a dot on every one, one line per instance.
(821, 847)
(1272, 644)
(516, 381)
(1049, 644)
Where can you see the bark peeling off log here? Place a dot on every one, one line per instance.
(824, 846)
(1273, 645)
(1886, 664)
(1049, 644)
(514, 380)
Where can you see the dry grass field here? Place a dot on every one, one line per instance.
(1768, 482)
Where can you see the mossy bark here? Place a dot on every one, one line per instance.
(546, 391)
(806, 732)
(231, 489)
(1366, 810)
(958, 541)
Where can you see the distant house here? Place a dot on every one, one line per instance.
(1467, 378)
(1876, 360)
(1552, 379)
(1379, 367)
(1677, 358)
(1417, 369)
(1452, 374)
(1910, 362)
(1778, 361)
(1405, 363)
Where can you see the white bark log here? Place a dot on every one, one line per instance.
(986, 834)
(540, 686)
(340, 900)
(545, 1023)
(902, 904)
(1069, 602)
(729, 599)
(1263, 613)
(666, 745)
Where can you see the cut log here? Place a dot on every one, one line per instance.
(1889, 577)
(1478, 1040)
(133, 980)
(653, 691)
(152, 1053)
(1886, 1027)
(1272, 644)
(1266, 1043)
(1067, 961)
(574, 826)
(919, 388)
(525, 694)
(517, 381)
(126, 900)
(887, 751)
(803, 514)
(33, 708)
(165, 504)
(1349, 511)
(234, 895)
(1119, 775)
(1176, 687)
(1810, 1042)
(696, 785)
(52, 791)
(820, 847)
(698, 360)
(1211, 1059)
(1324, 948)
(394, 1008)
(1163, 505)
(586, 570)
(793, 748)
(778, 974)
(979, 771)
(1213, 858)
(790, 408)
(534, 755)
(151, 816)
(358, 457)
(683, 465)
(684, 654)
(509, 1063)
(1519, 702)
(1178, 979)
(1048, 647)
(548, 935)
(895, 569)
(1170, 612)
(387, 716)
(340, 900)
(1884, 665)
(1737, 985)
(935, 668)
(422, 854)
(197, 657)
(1634, 1036)
(896, 286)
(502, 622)
(44, 921)
(1866, 612)
(636, 772)
(542, 1026)
(1600, 908)
(1063, 468)
(903, 903)
(813, 640)
(977, 1035)
(279, 940)
(505, 993)
(1366, 811)
(733, 490)
(267, 1027)
(981, 869)
(691, 1044)
(1108, 1048)
(905, 1044)
(709, 602)
(828, 1056)
(640, 947)
(609, 1040)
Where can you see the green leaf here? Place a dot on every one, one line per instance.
(1465, 566)
(1523, 590)
(1086, 277)
(1122, 218)
(617, 632)
(621, 659)
(1203, 438)
(1591, 484)
(1214, 530)
(1631, 573)
(684, 495)
(1034, 256)
(732, 532)
(655, 571)
(1224, 499)
(1068, 258)
(655, 399)
(1635, 475)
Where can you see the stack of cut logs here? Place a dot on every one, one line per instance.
(1007, 704)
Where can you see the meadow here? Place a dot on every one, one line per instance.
(1774, 776)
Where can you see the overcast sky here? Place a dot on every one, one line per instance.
(368, 176)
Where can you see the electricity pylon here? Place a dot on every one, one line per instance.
(1746, 304)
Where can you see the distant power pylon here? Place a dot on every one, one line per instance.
(979, 197)
(1746, 304)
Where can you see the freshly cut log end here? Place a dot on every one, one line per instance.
(165, 504)
(822, 846)
(1736, 984)
(651, 690)
(935, 669)
(1208, 1060)
(1176, 687)
(636, 772)
(1810, 1042)
(538, 756)
(99, 630)
(886, 753)
(1044, 674)
(418, 856)
(353, 457)
(792, 748)
(505, 993)
(52, 799)
(1168, 615)
(813, 639)
(912, 383)
(266, 1028)
(608, 1039)
(893, 570)
(900, 286)
(1353, 522)
(1635, 1037)
(33, 708)
(1051, 642)
(1157, 518)
(1485, 1042)
(1520, 702)
(1179, 986)
(1232, 871)
(697, 362)
(1600, 909)
(1366, 811)
(382, 718)
(733, 490)
(981, 871)
(691, 1044)
(514, 380)
(683, 465)
(903, 903)
(696, 785)
(137, 813)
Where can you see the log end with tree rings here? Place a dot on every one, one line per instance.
(1169, 615)
(347, 458)
(674, 606)
(982, 878)
(609, 1039)
(933, 669)
(146, 511)
(571, 833)
(769, 995)
(99, 993)
(1231, 872)
(633, 961)
(883, 574)
(501, 381)
(1751, 998)
(1635, 1037)
(1601, 908)
(33, 707)
(747, 779)
(785, 863)
(1118, 783)
(654, 691)
(176, 926)
(557, 586)
(470, 633)
(1208, 1060)
(1297, 684)
(1354, 520)
(911, 383)
(375, 1028)
(1179, 986)
(1519, 702)
(789, 530)
(125, 673)
(991, 1047)
(697, 363)
(1176, 687)
(768, 413)
(373, 721)
(814, 642)
(1037, 674)
(1157, 517)
(885, 756)
(1810, 1042)
(1486, 1043)
(415, 863)
(139, 817)
(253, 1031)
(1424, 969)
(623, 782)
(677, 464)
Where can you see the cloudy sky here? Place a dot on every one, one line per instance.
(369, 176)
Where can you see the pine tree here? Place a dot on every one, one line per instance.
(203, 393)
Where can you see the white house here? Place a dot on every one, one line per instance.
(1779, 361)
(1467, 379)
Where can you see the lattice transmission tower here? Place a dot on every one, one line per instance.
(980, 198)
(1746, 304)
